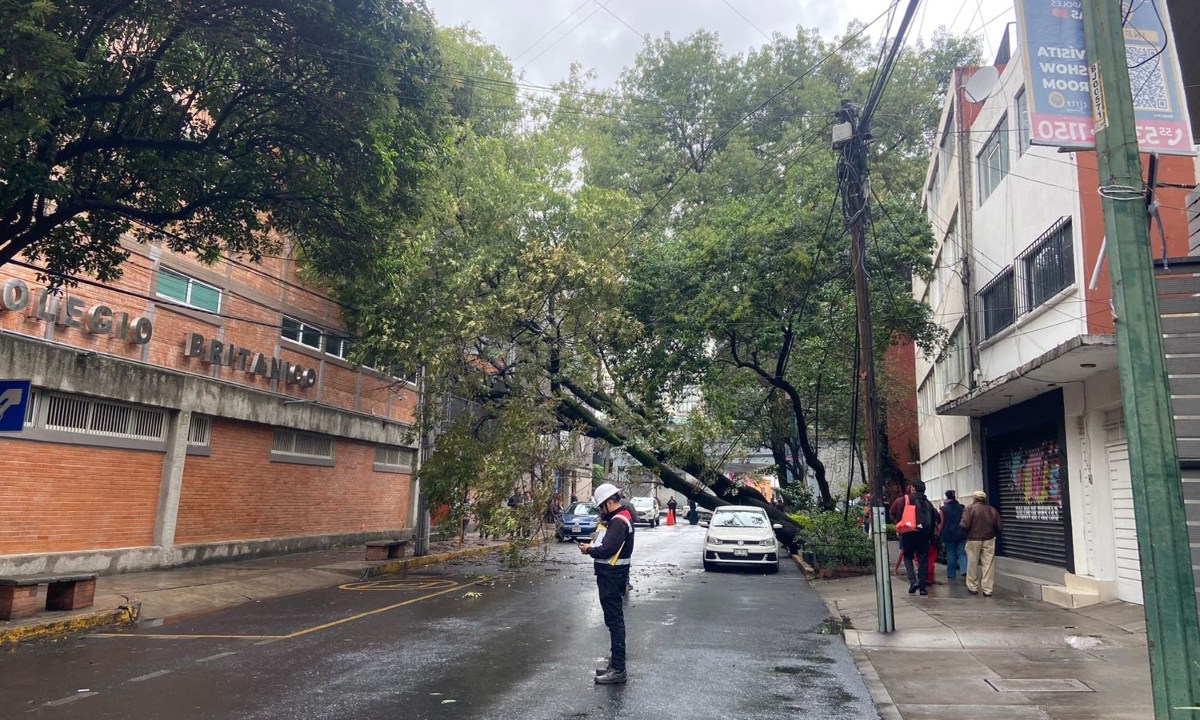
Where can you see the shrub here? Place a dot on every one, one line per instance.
(831, 540)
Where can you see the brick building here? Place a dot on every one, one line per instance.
(188, 413)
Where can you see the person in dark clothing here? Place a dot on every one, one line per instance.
(954, 538)
(671, 505)
(693, 517)
(612, 551)
(914, 544)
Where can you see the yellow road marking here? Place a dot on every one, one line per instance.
(398, 585)
(306, 631)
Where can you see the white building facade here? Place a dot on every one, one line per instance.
(1024, 401)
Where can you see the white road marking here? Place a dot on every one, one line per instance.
(148, 676)
(71, 698)
(218, 656)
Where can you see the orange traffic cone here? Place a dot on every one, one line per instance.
(670, 517)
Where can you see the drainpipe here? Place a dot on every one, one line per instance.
(966, 236)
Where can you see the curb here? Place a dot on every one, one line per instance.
(124, 616)
(400, 565)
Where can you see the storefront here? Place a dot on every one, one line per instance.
(1026, 478)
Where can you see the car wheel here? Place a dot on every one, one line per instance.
(772, 569)
(709, 566)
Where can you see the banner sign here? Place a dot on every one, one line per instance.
(1063, 89)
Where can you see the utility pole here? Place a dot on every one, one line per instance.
(1168, 587)
(851, 138)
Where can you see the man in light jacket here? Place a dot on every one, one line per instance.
(982, 523)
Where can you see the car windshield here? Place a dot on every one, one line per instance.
(642, 503)
(739, 518)
(583, 509)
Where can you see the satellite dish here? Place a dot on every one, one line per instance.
(982, 83)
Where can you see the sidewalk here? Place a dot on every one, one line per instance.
(962, 656)
(128, 598)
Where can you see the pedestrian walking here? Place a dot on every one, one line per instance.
(954, 538)
(982, 524)
(612, 551)
(916, 523)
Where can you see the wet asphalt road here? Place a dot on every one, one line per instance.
(515, 644)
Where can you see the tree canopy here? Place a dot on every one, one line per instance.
(210, 126)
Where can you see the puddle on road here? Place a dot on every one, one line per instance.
(834, 626)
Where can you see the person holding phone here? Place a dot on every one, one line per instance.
(611, 551)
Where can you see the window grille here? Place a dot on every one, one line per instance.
(69, 413)
(996, 304)
(1048, 264)
(296, 445)
(392, 457)
(200, 431)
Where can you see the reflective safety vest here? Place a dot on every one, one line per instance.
(622, 534)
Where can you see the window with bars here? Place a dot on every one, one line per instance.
(72, 413)
(302, 447)
(393, 458)
(1048, 265)
(187, 290)
(997, 306)
(301, 332)
(993, 161)
(199, 434)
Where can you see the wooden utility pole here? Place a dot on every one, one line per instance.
(1168, 587)
(852, 139)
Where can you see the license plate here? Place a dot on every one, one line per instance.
(740, 553)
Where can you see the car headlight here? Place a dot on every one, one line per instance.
(768, 541)
(714, 541)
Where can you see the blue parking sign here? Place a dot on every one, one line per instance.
(14, 399)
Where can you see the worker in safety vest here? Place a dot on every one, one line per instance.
(611, 550)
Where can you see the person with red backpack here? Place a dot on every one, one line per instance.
(612, 552)
(916, 524)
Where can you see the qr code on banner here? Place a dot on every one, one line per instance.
(1147, 78)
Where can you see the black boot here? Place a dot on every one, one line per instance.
(612, 677)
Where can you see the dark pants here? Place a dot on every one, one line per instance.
(611, 582)
(916, 546)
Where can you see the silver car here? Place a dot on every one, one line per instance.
(741, 535)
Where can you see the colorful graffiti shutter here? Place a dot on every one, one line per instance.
(1031, 474)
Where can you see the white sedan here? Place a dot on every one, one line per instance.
(741, 535)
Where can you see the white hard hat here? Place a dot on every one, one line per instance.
(604, 492)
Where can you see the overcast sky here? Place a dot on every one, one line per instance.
(545, 36)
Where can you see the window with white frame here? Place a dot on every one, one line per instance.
(301, 447)
(1048, 265)
(1023, 133)
(337, 346)
(187, 290)
(993, 160)
(393, 458)
(952, 366)
(926, 401)
(301, 332)
(950, 256)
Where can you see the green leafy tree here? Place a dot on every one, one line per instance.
(210, 126)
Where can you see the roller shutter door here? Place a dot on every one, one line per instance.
(1029, 482)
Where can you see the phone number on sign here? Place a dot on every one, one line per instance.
(1075, 132)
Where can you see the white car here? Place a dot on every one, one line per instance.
(647, 510)
(741, 535)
